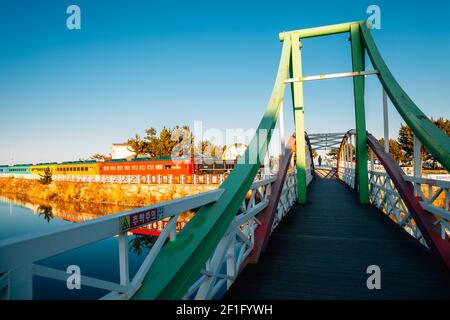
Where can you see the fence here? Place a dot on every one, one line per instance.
(131, 179)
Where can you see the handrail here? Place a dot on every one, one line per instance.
(179, 262)
(308, 143)
(436, 141)
(26, 249)
(18, 255)
(424, 221)
(267, 217)
(344, 139)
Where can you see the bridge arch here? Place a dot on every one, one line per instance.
(228, 215)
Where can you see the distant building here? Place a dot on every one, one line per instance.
(121, 151)
(234, 151)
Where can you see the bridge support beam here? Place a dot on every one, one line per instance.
(361, 174)
(299, 117)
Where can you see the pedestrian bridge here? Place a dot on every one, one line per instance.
(357, 230)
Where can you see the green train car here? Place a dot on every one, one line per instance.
(18, 169)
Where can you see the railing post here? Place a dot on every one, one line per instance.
(231, 261)
(21, 283)
(372, 161)
(299, 117)
(386, 122)
(361, 174)
(267, 169)
(123, 259)
(173, 231)
(282, 141)
(417, 157)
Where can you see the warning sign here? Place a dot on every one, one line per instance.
(135, 220)
(125, 223)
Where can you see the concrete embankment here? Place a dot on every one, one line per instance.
(119, 194)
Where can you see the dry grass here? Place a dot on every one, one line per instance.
(115, 194)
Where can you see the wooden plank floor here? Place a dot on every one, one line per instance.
(322, 249)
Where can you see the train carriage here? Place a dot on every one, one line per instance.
(159, 170)
(77, 168)
(17, 170)
(164, 170)
(39, 169)
(4, 170)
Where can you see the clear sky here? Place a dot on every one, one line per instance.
(67, 94)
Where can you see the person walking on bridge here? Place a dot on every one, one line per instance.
(320, 161)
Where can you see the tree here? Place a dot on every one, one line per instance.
(46, 212)
(333, 153)
(171, 142)
(203, 148)
(141, 242)
(395, 149)
(138, 146)
(314, 153)
(98, 157)
(406, 140)
(46, 178)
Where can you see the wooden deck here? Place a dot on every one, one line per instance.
(321, 250)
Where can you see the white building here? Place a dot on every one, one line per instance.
(121, 151)
(234, 151)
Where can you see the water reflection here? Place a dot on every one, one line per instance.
(21, 215)
(142, 243)
(69, 211)
(83, 211)
(46, 212)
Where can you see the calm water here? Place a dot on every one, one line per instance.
(20, 216)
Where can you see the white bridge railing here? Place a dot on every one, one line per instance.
(435, 200)
(384, 196)
(346, 173)
(18, 255)
(434, 195)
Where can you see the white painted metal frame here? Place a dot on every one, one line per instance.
(346, 165)
(332, 76)
(18, 255)
(226, 262)
(384, 195)
(436, 190)
(288, 196)
(322, 141)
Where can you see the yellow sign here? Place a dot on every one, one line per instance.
(125, 223)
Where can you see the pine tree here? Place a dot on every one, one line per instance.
(406, 140)
(47, 177)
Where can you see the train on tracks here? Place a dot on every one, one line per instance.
(145, 167)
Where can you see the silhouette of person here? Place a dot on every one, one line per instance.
(320, 161)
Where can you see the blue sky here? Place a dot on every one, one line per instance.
(134, 64)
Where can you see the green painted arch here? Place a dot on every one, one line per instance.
(436, 141)
(179, 262)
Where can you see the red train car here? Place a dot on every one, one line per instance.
(154, 170)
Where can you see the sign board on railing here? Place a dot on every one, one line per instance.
(135, 220)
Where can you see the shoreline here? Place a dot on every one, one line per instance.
(127, 195)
